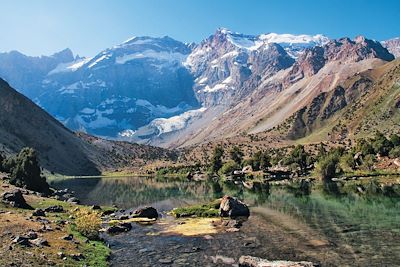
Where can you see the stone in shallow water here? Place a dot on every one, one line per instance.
(233, 207)
(146, 212)
(166, 261)
(249, 261)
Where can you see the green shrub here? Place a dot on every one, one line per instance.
(326, 168)
(368, 162)
(395, 152)
(25, 171)
(364, 147)
(300, 157)
(394, 139)
(347, 162)
(228, 168)
(216, 160)
(88, 223)
(261, 161)
(236, 155)
(381, 145)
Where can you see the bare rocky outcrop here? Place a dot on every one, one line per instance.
(393, 45)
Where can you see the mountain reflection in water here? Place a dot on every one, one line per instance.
(351, 229)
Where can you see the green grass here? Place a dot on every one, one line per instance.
(203, 210)
(96, 252)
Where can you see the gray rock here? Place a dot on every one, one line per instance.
(165, 261)
(68, 237)
(249, 261)
(146, 212)
(32, 235)
(21, 240)
(38, 212)
(40, 242)
(55, 208)
(15, 199)
(73, 200)
(120, 228)
(232, 207)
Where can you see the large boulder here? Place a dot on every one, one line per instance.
(249, 261)
(146, 212)
(15, 199)
(232, 207)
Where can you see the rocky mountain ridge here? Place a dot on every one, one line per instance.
(164, 92)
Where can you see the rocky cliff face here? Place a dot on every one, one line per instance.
(312, 86)
(27, 73)
(115, 92)
(161, 91)
(393, 45)
(228, 65)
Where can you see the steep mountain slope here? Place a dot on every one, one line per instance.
(27, 73)
(318, 70)
(162, 92)
(393, 45)
(115, 92)
(228, 67)
(22, 123)
(369, 102)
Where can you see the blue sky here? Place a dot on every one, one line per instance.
(87, 26)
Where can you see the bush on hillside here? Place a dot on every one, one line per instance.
(25, 171)
(228, 168)
(394, 139)
(236, 155)
(395, 152)
(216, 160)
(300, 157)
(327, 167)
(364, 147)
(347, 162)
(381, 145)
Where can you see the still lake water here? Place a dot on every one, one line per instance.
(346, 230)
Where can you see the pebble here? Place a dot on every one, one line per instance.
(166, 261)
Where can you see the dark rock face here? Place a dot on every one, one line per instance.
(15, 199)
(146, 212)
(232, 207)
(228, 66)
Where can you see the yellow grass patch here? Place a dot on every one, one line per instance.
(193, 227)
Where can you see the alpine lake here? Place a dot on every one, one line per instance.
(328, 227)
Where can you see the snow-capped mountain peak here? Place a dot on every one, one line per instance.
(285, 38)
